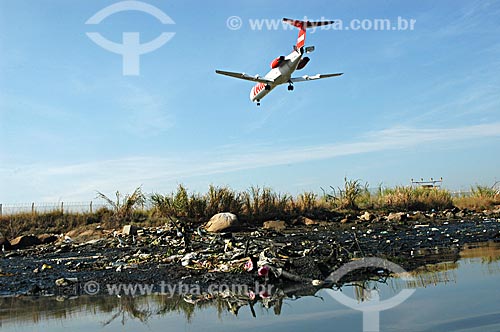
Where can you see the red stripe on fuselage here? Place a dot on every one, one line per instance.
(258, 88)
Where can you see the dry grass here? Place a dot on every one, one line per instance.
(482, 198)
(49, 222)
(346, 198)
(124, 206)
(413, 199)
(253, 206)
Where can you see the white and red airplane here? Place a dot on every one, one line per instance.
(283, 67)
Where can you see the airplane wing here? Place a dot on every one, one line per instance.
(244, 76)
(312, 78)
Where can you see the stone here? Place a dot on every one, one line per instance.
(308, 222)
(416, 216)
(47, 238)
(396, 216)
(221, 222)
(129, 230)
(367, 216)
(275, 225)
(88, 235)
(24, 241)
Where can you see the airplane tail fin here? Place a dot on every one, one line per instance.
(303, 25)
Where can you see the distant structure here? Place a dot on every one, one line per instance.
(430, 184)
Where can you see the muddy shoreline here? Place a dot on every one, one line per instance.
(302, 254)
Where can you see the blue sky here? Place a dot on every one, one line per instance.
(411, 104)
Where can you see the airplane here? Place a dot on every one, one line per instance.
(283, 67)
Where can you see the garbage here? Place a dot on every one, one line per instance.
(263, 271)
(45, 267)
(68, 239)
(298, 253)
(62, 282)
(248, 265)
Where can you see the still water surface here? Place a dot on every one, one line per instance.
(463, 295)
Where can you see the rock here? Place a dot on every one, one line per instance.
(460, 214)
(88, 235)
(307, 221)
(4, 243)
(221, 221)
(47, 238)
(348, 218)
(416, 216)
(367, 216)
(73, 233)
(450, 215)
(129, 230)
(24, 241)
(344, 221)
(276, 225)
(396, 216)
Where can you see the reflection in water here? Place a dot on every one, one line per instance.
(32, 310)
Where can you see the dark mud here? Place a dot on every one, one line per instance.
(299, 254)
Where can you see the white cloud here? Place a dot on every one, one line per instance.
(79, 181)
(145, 114)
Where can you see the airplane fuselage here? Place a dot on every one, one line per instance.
(283, 67)
(279, 75)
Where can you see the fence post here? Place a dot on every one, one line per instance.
(90, 206)
(33, 208)
(62, 207)
(1, 209)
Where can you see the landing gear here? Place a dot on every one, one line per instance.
(268, 87)
(290, 87)
(258, 102)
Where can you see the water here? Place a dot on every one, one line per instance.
(450, 296)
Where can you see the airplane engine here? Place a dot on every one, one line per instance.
(303, 63)
(277, 62)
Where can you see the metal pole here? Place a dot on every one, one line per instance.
(0, 209)
(62, 207)
(33, 208)
(90, 206)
